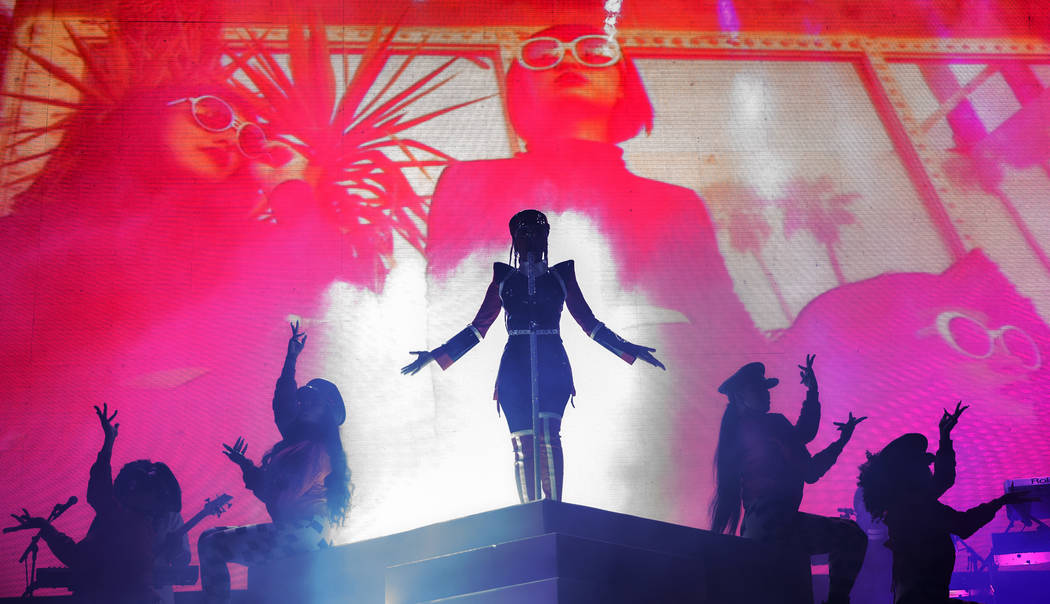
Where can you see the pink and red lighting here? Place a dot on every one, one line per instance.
(866, 181)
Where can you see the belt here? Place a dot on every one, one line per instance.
(526, 332)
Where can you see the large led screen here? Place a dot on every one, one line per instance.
(785, 195)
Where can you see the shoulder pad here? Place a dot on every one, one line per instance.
(501, 270)
(565, 268)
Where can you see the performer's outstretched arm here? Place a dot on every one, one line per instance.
(965, 524)
(60, 544)
(581, 311)
(284, 394)
(822, 462)
(100, 480)
(100, 494)
(461, 343)
(809, 418)
(944, 462)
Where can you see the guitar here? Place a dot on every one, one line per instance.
(211, 507)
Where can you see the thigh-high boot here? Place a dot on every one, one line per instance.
(550, 458)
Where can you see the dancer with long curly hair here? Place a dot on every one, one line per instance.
(304, 480)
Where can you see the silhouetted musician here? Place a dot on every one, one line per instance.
(137, 528)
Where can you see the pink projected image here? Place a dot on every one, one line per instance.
(177, 190)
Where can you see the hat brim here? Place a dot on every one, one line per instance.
(907, 447)
(733, 381)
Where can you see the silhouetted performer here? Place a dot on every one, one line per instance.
(573, 95)
(535, 380)
(900, 489)
(136, 528)
(762, 462)
(304, 480)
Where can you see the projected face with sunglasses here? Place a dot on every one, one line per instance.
(573, 76)
(575, 82)
(545, 52)
(207, 139)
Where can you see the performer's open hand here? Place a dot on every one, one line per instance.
(236, 453)
(109, 429)
(809, 379)
(949, 420)
(423, 358)
(646, 354)
(297, 342)
(27, 521)
(848, 426)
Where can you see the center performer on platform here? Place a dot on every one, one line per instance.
(304, 480)
(535, 380)
(762, 462)
(573, 95)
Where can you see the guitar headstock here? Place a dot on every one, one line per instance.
(215, 507)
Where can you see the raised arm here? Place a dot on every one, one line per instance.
(461, 343)
(822, 462)
(581, 311)
(100, 481)
(284, 394)
(944, 462)
(809, 418)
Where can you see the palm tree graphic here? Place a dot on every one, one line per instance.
(814, 206)
(749, 231)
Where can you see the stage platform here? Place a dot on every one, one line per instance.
(538, 552)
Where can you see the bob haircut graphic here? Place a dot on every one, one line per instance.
(632, 113)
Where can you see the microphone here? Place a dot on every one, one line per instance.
(57, 511)
(60, 508)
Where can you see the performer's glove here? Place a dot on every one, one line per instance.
(614, 343)
(459, 345)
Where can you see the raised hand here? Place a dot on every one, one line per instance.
(809, 379)
(108, 427)
(297, 342)
(236, 453)
(423, 358)
(27, 521)
(250, 472)
(949, 420)
(848, 426)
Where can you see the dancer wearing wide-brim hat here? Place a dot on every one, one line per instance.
(761, 465)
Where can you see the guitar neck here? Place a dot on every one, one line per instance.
(211, 508)
(192, 522)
